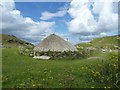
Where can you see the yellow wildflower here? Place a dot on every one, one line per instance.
(98, 73)
(33, 85)
(105, 87)
(51, 77)
(82, 67)
(39, 84)
(6, 78)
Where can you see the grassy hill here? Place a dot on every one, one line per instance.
(12, 41)
(99, 70)
(108, 43)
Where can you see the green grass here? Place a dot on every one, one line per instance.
(22, 71)
(94, 71)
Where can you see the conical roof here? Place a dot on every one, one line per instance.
(54, 43)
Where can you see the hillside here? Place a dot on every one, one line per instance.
(12, 41)
(105, 43)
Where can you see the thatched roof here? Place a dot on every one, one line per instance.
(54, 43)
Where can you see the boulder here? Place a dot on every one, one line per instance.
(42, 57)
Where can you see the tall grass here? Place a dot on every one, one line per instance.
(107, 74)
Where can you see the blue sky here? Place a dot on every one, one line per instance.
(76, 21)
(34, 10)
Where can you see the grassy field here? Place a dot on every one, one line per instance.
(22, 71)
(99, 69)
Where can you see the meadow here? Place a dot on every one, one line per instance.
(97, 69)
(100, 70)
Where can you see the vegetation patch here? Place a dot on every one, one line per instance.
(107, 74)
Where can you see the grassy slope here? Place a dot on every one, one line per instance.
(108, 43)
(105, 42)
(23, 71)
(12, 41)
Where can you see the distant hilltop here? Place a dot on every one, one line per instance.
(12, 41)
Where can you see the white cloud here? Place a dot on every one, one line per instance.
(28, 20)
(48, 15)
(15, 12)
(24, 27)
(7, 5)
(103, 34)
(84, 21)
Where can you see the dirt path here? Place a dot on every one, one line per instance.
(94, 58)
